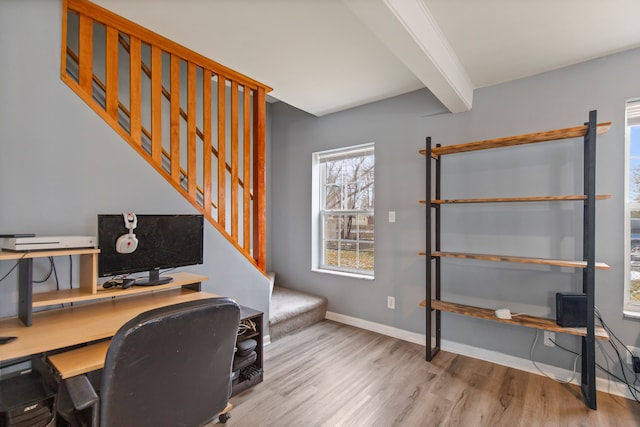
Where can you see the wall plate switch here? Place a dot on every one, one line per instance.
(391, 303)
(549, 338)
(392, 216)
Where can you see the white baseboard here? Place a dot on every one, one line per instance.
(560, 374)
(377, 327)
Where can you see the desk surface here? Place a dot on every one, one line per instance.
(92, 357)
(59, 328)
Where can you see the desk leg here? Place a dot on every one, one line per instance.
(25, 290)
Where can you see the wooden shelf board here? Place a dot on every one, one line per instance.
(552, 135)
(8, 255)
(42, 299)
(521, 319)
(516, 199)
(527, 260)
(81, 360)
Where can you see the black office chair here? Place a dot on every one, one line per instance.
(169, 366)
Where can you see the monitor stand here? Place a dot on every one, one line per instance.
(154, 279)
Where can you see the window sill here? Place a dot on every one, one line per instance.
(343, 273)
(631, 314)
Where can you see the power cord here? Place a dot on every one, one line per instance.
(611, 333)
(575, 362)
(246, 326)
(14, 267)
(48, 275)
(52, 270)
(70, 278)
(55, 274)
(633, 389)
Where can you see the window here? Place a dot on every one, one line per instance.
(343, 205)
(632, 211)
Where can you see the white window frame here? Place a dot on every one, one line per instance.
(632, 115)
(317, 231)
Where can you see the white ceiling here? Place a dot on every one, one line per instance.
(323, 56)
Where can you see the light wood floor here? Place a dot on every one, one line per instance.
(337, 375)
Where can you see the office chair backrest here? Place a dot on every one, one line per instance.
(170, 366)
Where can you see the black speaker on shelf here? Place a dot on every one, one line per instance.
(571, 309)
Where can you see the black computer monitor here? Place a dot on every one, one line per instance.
(164, 241)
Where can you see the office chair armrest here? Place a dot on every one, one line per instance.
(82, 394)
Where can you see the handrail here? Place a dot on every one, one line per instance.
(247, 208)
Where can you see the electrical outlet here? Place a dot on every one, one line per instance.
(392, 216)
(391, 303)
(549, 338)
(634, 350)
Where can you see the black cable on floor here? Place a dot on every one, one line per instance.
(635, 392)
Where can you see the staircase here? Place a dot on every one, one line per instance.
(291, 311)
(198, 123)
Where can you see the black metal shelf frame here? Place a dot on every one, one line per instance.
(433, 318)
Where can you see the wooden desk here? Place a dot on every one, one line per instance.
(69, 326)
(90, 358)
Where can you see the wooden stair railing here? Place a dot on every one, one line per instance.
(111, 53)
(72, 65)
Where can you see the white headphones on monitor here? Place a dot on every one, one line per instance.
(128, 243)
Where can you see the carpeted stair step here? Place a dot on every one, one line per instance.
(292, 310)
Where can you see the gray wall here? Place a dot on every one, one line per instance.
(61, 165)
(396, 127)
(548, 101)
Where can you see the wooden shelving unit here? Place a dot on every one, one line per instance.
(88, 274)
(520, 259)
(519, 319)
(8, 255)
(180, 279)
(435, 305)
(242, 382)
(511, 141)
(88, 289)
(516, 199)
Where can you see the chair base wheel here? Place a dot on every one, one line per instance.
(223, 418)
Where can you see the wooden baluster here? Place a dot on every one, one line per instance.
(191, 129)
(174, 100)
(259, 185)
(156, 105)
(234, 160)
(135, 90)
(206, 140)
(85, 54)
(65, 41)
(112, 73)
(246, 233)
(222, 151)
